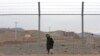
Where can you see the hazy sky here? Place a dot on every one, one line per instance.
(54, 22)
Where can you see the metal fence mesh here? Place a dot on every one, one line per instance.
(66, 41)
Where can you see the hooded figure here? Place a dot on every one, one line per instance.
(50, 43)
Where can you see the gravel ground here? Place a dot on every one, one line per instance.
(34, 48)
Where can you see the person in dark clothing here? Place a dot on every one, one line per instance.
(50, 43)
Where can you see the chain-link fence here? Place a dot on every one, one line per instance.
(72, 25)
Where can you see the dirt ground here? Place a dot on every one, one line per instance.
(53, 55)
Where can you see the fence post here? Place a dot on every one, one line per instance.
(39, 18)
(83, 37)
(82, 19)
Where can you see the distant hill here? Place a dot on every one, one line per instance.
(97, 35)
(8, 34)
(87, 33)
(6, 29)
(65, 34)
(18, 29)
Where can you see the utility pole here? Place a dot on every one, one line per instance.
(15, 30)
(49, 29)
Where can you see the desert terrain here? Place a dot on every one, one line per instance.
(53, 55)
(27, 43)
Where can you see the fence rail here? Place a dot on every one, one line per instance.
(52, 8)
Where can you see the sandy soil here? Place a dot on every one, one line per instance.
(53, 55)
